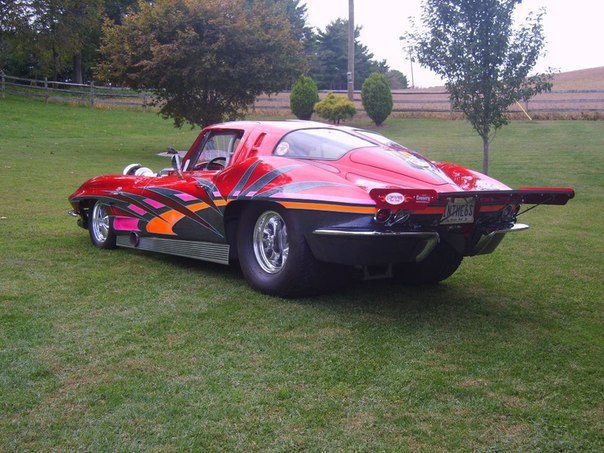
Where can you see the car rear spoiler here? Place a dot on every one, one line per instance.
(523, 195)
(419, 199)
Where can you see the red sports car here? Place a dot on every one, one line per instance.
(296, 202)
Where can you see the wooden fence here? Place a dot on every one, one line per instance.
(412, 102)
(68, 92)
(436, 102)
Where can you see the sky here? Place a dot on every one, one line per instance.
(572, 30)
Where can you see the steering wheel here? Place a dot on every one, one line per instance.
(219, 162)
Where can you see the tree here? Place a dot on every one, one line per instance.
(49, 37)
(296, 15)
(397, 79)
(330, 62)
(303, 97)
(485, 62)
(377, 98)
(335, 108)
(14, 20)
(204, 61)
(115, 10)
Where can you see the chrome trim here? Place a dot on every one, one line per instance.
(72, 213)
(516, 227)
(360, 233)
(205, 251)
(489, 242)
(177, 165)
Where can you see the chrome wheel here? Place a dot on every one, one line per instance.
(99, 223)
(273, 253)
(271, 245)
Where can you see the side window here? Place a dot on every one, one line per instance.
(216, 150)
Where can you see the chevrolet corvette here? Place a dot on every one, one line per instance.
(295, 202)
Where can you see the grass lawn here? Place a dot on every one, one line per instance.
(123, 350)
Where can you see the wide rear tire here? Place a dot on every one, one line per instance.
(442, 262)
(273, 253)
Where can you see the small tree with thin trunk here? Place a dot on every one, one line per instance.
(485, 60)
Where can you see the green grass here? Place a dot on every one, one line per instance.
(120, 350)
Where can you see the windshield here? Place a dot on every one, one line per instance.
(325, 144)
(215, 150)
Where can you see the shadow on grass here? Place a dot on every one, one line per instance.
(463, 302)
(450, 305)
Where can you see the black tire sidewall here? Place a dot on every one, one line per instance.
(301, 272)
(438, 266)
(108, 243)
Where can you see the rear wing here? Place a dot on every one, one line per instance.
(420, 199)
(524, 195)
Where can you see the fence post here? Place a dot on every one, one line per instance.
(92, 94)
(45, 90)
(2, 86)
(144, 101)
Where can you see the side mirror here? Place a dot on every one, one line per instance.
(177, 164)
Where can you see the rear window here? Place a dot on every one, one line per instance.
(324, 144)
(380, 138)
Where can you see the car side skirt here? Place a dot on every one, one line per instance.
(205, 251)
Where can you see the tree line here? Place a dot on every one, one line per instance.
(70, 40)
(207, 60)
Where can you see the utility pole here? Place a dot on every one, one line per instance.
(350, 75)
(410, 49)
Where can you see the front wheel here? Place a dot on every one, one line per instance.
(100, 228)
(273, 253)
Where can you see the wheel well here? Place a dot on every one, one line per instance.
(232, 214)
(84, 209)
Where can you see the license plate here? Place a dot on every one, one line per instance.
(458, 210)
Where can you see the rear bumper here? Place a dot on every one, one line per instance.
(363, 247)
(373, 248)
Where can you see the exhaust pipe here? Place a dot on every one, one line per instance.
(134, 239)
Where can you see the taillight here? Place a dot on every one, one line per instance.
(403, 199)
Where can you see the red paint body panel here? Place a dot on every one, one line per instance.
(340, 193)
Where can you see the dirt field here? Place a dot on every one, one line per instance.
(584, 79)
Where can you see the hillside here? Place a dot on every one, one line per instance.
(583, 79)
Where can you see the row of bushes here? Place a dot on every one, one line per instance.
(375, 96)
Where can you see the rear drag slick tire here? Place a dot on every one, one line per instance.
(273, 253)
